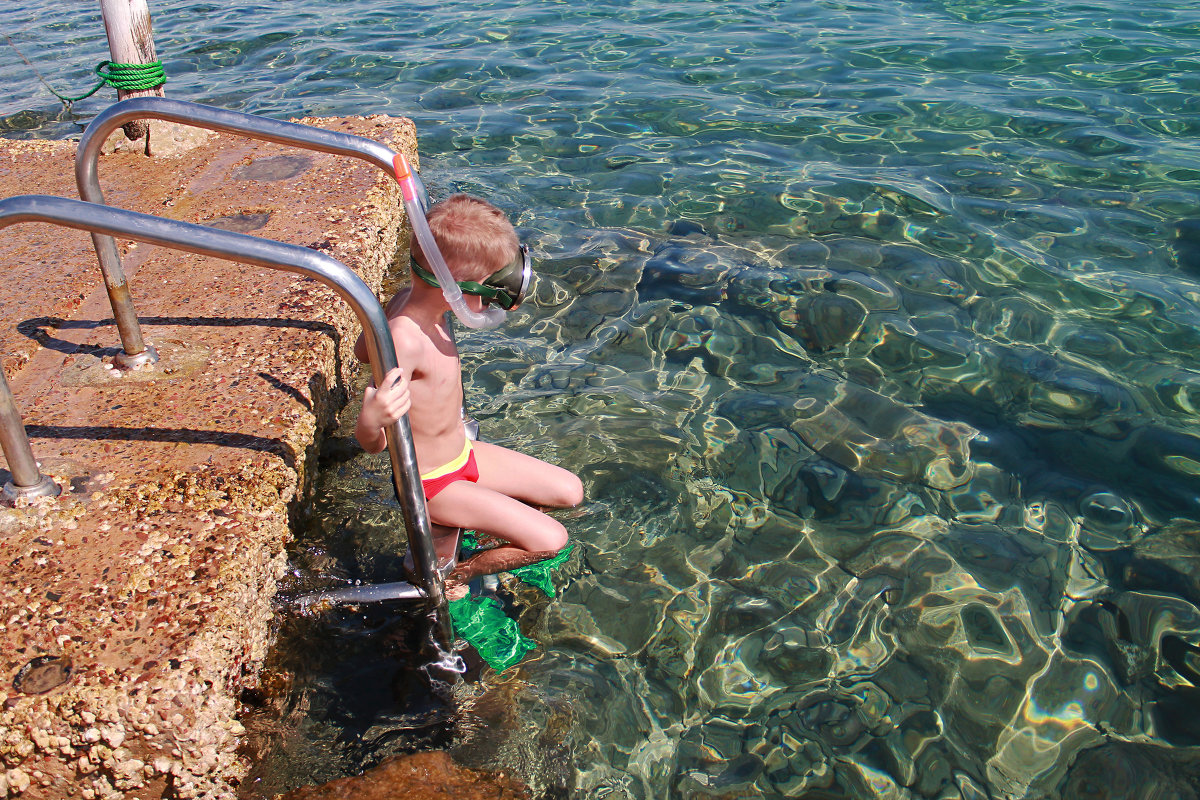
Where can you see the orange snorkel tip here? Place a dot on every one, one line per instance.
(404, 176)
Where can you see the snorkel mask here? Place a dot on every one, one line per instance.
(510, 283)
(506, 287)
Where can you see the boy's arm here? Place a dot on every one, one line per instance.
(382, 407)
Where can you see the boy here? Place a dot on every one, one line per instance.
(470, 485)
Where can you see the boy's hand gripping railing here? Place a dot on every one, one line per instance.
(264, 253)
(136, 351)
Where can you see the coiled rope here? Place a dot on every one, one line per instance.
(130, 77)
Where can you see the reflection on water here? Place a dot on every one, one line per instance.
(871, 329)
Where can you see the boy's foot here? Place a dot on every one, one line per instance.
(455, 590)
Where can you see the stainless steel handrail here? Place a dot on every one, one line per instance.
(27, 481)
(275, 255)
(87, 157)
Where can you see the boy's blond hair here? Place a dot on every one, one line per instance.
(475, 237)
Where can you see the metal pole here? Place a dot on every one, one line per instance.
(290, 258)
(130, 41)
(134, 350)
(28, 481)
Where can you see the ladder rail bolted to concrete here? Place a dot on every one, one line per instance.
(87, 156)
(264, 253)
(27, 481)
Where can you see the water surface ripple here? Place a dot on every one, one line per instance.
(872, 329)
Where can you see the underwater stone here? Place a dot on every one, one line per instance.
(807, 253)
(1118, 770)
(686, 227)
(1050, 520)
(867, 432)
(753, 411)
(1091, 343)
(872, 292)
(860, 252)
(827, 320)
(685, 272)
(901, 349)
(926, 276)
(1108, 522)
(1013, 319)
(1180, 391)
(1073, 394)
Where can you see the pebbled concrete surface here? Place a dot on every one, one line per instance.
(135, 607)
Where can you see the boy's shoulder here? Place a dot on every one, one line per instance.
(409, 338)
(399, 300)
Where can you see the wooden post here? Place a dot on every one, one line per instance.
(130, 41)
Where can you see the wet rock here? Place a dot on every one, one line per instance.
(273, 168)
(241, 222)
(867, 432)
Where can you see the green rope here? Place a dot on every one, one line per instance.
(129, 77)
(132, 77)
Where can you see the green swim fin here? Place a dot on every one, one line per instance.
(469, 540)
(538, 574)
(495, 636)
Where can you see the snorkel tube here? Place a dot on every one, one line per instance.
(491, 316)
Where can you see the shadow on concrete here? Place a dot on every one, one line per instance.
(290, 391)
(245, 441)
(38, 329)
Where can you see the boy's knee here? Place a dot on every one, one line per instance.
(554, 538)
(570, 492)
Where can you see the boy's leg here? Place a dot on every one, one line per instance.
(526, 478)
(534, 536)
(471, 506)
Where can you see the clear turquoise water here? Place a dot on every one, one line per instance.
(872, 329)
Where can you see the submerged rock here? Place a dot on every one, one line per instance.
(430, 776)
(872, 434)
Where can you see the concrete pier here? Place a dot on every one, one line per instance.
(135, 606)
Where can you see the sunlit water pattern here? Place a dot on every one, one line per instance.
(872, 330)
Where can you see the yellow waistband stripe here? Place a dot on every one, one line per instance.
(457, 464)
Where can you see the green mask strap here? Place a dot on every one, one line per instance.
(497, 296)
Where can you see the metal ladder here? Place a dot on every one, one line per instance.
(87, 156)
(135, 350)
(104, 221)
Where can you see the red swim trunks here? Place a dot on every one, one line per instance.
(462, 468)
